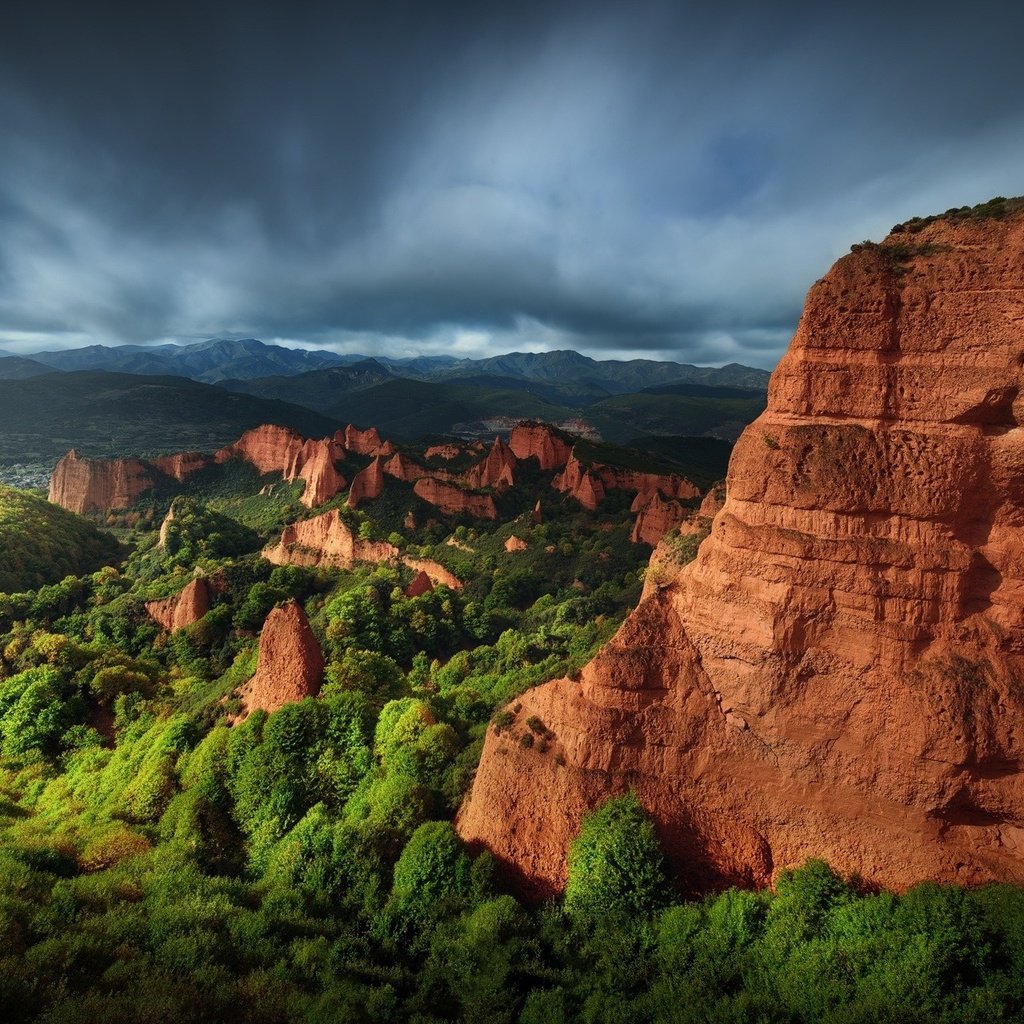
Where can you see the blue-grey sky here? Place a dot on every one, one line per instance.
(645, 178)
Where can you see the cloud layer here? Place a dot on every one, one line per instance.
(640, 177)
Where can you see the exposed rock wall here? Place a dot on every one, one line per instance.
(838, 673)
(91, 485)
(655, 518)
(540, 442)
(455, 501)
(187, 606)
(498, 470)
(326, 540)
(290, 665)
(367, 484)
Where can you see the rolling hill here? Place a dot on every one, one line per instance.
(20, 368)
(42, 543)
(115, 414)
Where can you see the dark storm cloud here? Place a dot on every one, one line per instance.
(444, 176)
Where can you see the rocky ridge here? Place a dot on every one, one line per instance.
(837, 673)
(290, 665)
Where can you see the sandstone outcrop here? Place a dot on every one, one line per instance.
(187, 606)
(497, 470)
(515, 543)
(323, 481)
(270, 449)
(91, 485)
(437, 573)
(367, 484)
(655, 519)
(290, 665)
(420, 585)
(165, 527)
(366, 442)
(837, 673)
(455, 501)
(580, 483)
(540, 442)
(326, 540)
(273, 449)
(671, 485)
(401, 467)
(86, 485)
(182, 465)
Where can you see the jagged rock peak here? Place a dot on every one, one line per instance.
(290, 665)
(836, 674)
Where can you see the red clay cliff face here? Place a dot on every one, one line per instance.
(367, 484)
(290, 665)
(655, 518)
(837, 673)
(541, 442)
(454, 501)
(325, 540)
(90, 485)
(498, 470)
(187, 606)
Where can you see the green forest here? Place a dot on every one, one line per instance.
(163, 860)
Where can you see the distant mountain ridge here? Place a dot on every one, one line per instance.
(206, 361)
(20, 368)
(247, 359)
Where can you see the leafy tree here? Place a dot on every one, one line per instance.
(616, 866)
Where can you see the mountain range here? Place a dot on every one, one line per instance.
(221, 359)
(139, 400)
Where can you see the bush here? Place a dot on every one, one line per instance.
(616, 866)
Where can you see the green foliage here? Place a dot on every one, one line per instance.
(42, 543)
(162, 859)
(433, 870)
(616, 867)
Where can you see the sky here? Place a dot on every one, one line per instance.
(626, 179)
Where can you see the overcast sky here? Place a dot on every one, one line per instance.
(638, 178)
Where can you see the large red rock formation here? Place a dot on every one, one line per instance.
(589, 483)
(84, 485)
(455, 501)
(401, 467)
(89, 485)
(420, 585)
(290, 665)
(670, 485)
(497, 470)
(323, 481)
(366, 442)
(326, 540)
(655, 518)
(187, 606)
(367, 484)
(837, 674)
(182, 465)
(540, 442)
(579, 482)
(271, 449)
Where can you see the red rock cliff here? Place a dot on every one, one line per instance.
(290, 665)
(454, 501)
(187, 606)
(326, 540)
(541, 442)
(89, 485)
(837, 673)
